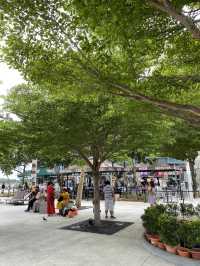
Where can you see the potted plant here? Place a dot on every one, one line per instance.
(150, 221)
(183, 232)
(193, 239)
(168, 226)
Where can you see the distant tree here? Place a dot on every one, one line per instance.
(183, 143)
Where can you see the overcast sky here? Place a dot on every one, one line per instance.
(8, 78)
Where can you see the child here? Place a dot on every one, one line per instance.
(63, 201)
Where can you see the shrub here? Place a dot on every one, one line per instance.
(172, 209)
(183, 231)
(150, 218)
(187, 209)
(193, 236)
(168, 226)
(197, 210)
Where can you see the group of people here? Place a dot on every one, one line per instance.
(42, 200)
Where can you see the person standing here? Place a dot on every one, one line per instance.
(2, 188)
(109, 199)
(50, 199)
(151, 193)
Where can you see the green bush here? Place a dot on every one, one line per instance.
(187, 210)
(183, 231)
(172, 209)
(197, 210)
(168, 227)
(193, 234)
(150, 218)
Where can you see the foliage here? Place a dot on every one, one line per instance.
(126, 48)
(168, 227)
(187, 209)
(172, 209)
(150, 218)
(197, 210)
(82, 124)
(189, 232)
(183, 142)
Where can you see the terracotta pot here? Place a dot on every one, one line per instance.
(183, 252)
(161, 245)
(148, 236)
(195, 254)
(171, 249)
(155, 240)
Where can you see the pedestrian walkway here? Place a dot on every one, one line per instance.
(27, 240)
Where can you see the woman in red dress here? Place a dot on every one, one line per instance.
(50, 199)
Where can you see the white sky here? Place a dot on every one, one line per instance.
(8, 78)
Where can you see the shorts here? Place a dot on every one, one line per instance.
(109, 204)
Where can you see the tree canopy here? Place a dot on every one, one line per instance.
(145, 51)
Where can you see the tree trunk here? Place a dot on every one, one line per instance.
(96, 201)
(80, 190)
(194, 181)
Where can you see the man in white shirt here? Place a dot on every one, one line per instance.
(109, 199)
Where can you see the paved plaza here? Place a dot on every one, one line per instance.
(28, 240)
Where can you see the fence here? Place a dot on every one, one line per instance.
(166, 196)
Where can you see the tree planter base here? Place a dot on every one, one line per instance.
(107, 227)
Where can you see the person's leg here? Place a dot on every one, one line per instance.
(30, 205)
(111, 208)
(106, 208)
(28, 208)
(106, 212)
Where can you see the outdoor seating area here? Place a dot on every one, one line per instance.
(21, 197)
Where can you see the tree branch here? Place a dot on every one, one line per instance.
(187, 112)
(187, 22)
(85, 158)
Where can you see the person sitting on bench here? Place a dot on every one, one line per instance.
(33, 198)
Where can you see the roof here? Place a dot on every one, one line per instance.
(43, 172)
(168, 160)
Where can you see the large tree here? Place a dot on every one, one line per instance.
(91, 127)
(128, 48)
